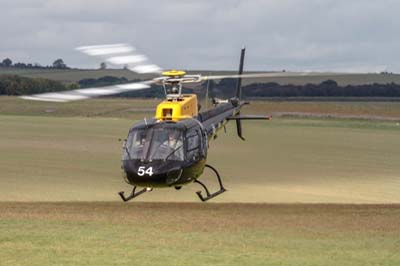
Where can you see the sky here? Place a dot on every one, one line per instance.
(297, 35)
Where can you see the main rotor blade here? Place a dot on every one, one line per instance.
(110, 49)
(82, 94)
(270, 75)
(123, 55)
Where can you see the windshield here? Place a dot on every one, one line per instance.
(154, 144)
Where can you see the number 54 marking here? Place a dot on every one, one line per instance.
(143, 171)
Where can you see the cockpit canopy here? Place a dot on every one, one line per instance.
(164, 141)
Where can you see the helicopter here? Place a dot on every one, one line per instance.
(169, 150)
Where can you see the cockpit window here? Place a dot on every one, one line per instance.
(154, 144)
(193, 145)
(134, 147)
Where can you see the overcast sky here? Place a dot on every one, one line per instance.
(351, 35)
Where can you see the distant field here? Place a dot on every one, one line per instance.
(118, 107)
(349, 109)
(73, 75)
(139, 108)
(198, 234)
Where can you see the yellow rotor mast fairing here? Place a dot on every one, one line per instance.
(177, 106)
(176, 109)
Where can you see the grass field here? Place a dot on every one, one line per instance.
(292, 189)
(198, 234)
(287, 160)
(139, 108)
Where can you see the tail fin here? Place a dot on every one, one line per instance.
(239, 80)
(238, 103)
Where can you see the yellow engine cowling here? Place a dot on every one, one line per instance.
(175, 109)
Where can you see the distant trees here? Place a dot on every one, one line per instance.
(103, 81)
(72, 86)
(327, 88)
(59, 64)
(7, 62)
(17, 85)
(103, 65)
(20, 65)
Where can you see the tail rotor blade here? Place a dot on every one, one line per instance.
(239, 81)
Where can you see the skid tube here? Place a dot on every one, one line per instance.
(133, 193)
(208, 194)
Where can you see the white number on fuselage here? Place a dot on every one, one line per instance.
(142, 171)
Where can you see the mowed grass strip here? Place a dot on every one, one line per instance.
(128, 108)
(139, 108)
(198, 234)
(283, 160)
(374, 110)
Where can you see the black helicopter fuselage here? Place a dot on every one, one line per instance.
(164, 152)
(150, 159)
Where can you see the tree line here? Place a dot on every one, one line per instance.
(328, 88)
(57, 64)
(17, 85)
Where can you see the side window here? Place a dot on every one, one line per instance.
(193, 145)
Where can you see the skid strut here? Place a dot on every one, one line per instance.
(133, 193)
(208, 194)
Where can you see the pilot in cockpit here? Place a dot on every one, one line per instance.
(174, 144)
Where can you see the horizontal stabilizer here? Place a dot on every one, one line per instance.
(238, 118)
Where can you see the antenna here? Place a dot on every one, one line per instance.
(208, 84)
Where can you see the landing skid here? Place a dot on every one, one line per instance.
(208, 194)
(133, 193)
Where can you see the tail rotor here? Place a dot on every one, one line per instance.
(239, 80)
(239, 92)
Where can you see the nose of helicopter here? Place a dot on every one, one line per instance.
(152, 174)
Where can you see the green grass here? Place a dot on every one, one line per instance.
(127, 108)
(59, 163)
(139, 108)
(198, 234)
(283, 160)
(356, 109)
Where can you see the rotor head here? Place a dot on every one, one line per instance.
(174, 73)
